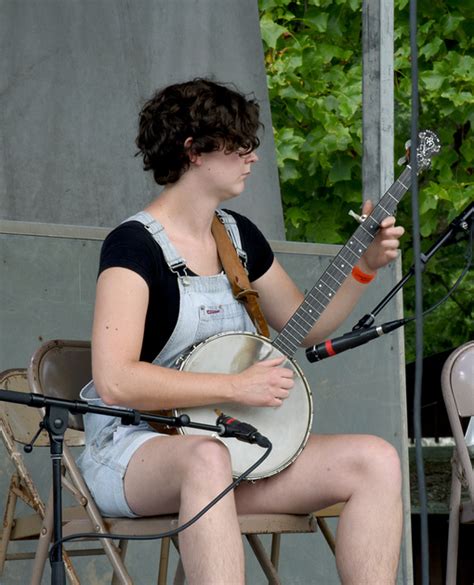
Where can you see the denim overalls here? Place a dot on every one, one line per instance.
(206, 307)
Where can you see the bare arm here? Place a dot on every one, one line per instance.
(122, 379)
(280, 297)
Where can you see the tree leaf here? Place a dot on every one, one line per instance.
(341, 169)
(430, 49)
(271, 31)
(316, 19)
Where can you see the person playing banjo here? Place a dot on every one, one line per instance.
(161, 291)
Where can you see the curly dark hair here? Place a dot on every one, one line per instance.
(213, 115)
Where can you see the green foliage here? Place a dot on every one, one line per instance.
(313, 57)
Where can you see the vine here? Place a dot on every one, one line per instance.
(313, 57)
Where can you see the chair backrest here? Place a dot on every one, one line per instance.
(60, 368)
(20, 421)
(457, 384)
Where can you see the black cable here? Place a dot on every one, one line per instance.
(418, 299)
(460, 278)
(169, 533)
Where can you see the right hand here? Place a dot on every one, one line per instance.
(263, 384)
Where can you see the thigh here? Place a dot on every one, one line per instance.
(328, 471)
(154, 478)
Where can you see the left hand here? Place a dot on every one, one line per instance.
(385, 246)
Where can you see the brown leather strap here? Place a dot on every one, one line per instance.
(241, 290)
(237, 276)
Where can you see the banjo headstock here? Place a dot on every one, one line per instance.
(428, 145)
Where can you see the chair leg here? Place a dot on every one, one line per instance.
(275, 554)
(262, 557)
(164, 561)
(179, 576)
(44, 541)
(122, 547)
(327, 533)
(42, 549)
(110, 549)
(453, 531)
(8, 521)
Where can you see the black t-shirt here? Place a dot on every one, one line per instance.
(131, 246)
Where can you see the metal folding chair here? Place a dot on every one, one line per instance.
(457, 384)
(60, 369)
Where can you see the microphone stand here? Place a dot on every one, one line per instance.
(363, 331)
(55, 422)
(462, 222)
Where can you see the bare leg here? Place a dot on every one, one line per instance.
(168, 474)
(363, 471)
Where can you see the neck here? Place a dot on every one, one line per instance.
(181, 208)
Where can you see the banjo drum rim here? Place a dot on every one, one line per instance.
(184, 359)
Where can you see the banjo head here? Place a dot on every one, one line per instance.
(287, 426)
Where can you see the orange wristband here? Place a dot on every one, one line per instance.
(362, 277)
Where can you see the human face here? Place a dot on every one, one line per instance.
(225, 173)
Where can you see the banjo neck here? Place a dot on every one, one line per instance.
(319, 297)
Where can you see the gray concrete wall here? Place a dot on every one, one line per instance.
(73, 76)
(48, 292)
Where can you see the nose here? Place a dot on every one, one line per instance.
(251, 157)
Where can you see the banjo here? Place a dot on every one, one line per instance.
(288, 426)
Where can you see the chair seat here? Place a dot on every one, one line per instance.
(27, 527)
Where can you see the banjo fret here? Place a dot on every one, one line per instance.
(317, 299)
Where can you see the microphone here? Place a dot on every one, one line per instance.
(332, 347)
(232, 427)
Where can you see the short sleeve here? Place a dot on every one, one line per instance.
(130, 246)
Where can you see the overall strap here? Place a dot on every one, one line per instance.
(175, 262)
(233, 232)
(237, 275)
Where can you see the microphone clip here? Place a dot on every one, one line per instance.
(232, 427)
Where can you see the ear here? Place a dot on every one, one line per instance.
(188, 146)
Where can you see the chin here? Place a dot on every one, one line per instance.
(232, 194)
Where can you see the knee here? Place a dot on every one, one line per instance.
(210, 458)
(380, 463)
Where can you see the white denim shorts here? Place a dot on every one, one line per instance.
(105, 460)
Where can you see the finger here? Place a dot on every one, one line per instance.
(392, 232)
(388, 222)
(398, 231)
(391, 255)
(272, 362)
(367, 207)
(390, 244)
(286, 384)
(282, 394)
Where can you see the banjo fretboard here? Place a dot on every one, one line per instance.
(318, 298)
